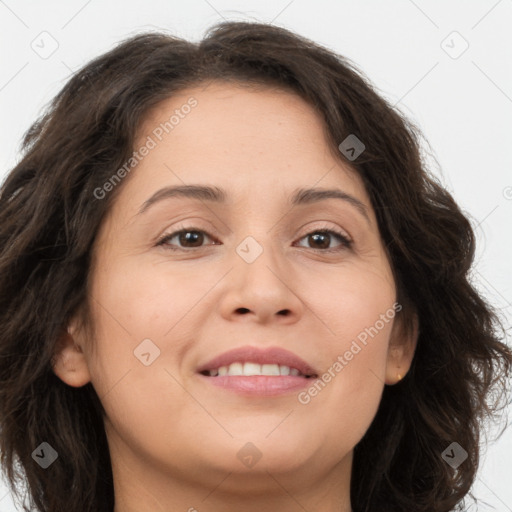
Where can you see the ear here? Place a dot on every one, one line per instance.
(402, 345)
(69, 362)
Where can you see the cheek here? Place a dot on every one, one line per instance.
(148, 300)
(134, 309)
(357, 309)
(352, 299)
(144, 309)
(345, 397)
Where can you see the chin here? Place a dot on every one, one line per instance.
(275, 453)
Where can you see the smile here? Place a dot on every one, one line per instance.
(248, 369)
(257, 371)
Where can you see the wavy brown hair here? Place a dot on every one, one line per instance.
(49, 218)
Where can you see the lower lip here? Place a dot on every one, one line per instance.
(261, 385)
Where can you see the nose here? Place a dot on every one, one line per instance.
(262, 291)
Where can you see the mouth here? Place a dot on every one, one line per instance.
(255, 371)
(249, 369)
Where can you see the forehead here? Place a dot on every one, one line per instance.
(237, 119)
(243, 129)
(224, 101)
(258, 144)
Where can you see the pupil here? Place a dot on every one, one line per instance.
(319, 237)
(191, 237)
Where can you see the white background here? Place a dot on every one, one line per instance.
(463, 105)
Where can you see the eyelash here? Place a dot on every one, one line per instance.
(345, 242)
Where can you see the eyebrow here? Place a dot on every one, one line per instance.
(300, 196)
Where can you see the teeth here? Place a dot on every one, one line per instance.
(248, 369)
(284, 370)
(234, 369)
(270, 369)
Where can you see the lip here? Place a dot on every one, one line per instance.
(259, 385)
(272, 355)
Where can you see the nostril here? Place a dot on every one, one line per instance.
(242, 310)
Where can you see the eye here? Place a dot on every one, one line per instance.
(322, 238)
(193, 238)
(188, 238)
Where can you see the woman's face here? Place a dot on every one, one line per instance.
(253, 269)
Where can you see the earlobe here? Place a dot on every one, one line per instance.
(402, 346)
(69, 362)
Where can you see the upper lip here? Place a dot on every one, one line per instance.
(272, 355)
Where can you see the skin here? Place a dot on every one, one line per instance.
(173, 438)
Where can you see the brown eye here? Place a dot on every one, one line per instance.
(194, 238)
(321, 240)
(185, 239)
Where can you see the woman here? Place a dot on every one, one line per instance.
(229, 283)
